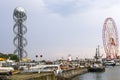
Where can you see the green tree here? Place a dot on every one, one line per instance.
(11, 56)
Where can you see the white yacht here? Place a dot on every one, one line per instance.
(4, 66)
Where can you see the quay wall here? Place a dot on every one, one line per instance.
(66, 75)
(45, 77)
(34, 76)
(73, 72)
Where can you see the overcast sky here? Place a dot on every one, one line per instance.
(57, 28)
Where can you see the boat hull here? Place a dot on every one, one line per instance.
(100, 69)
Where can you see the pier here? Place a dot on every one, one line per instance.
(66, 75)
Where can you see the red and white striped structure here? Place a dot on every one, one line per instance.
(110, 39)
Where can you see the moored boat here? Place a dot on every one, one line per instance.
(96, 67)
(109, 63)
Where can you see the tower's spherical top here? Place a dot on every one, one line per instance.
(19, 12)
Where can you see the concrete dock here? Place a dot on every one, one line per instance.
(66, 75)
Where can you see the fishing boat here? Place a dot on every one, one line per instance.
(97, 65)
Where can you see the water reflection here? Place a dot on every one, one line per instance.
(98, 76)
(90, 76)
(111, 73)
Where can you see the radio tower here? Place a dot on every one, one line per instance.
(20, 29)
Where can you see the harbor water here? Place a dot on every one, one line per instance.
(111, 73)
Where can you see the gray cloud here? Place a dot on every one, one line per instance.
(66, 7)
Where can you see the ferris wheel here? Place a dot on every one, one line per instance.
(110, 39)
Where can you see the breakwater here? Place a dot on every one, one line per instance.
(66, 75)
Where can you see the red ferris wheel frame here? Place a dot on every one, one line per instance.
(110, 38)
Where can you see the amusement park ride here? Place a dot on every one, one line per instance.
(20, 29)
(110, 39)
